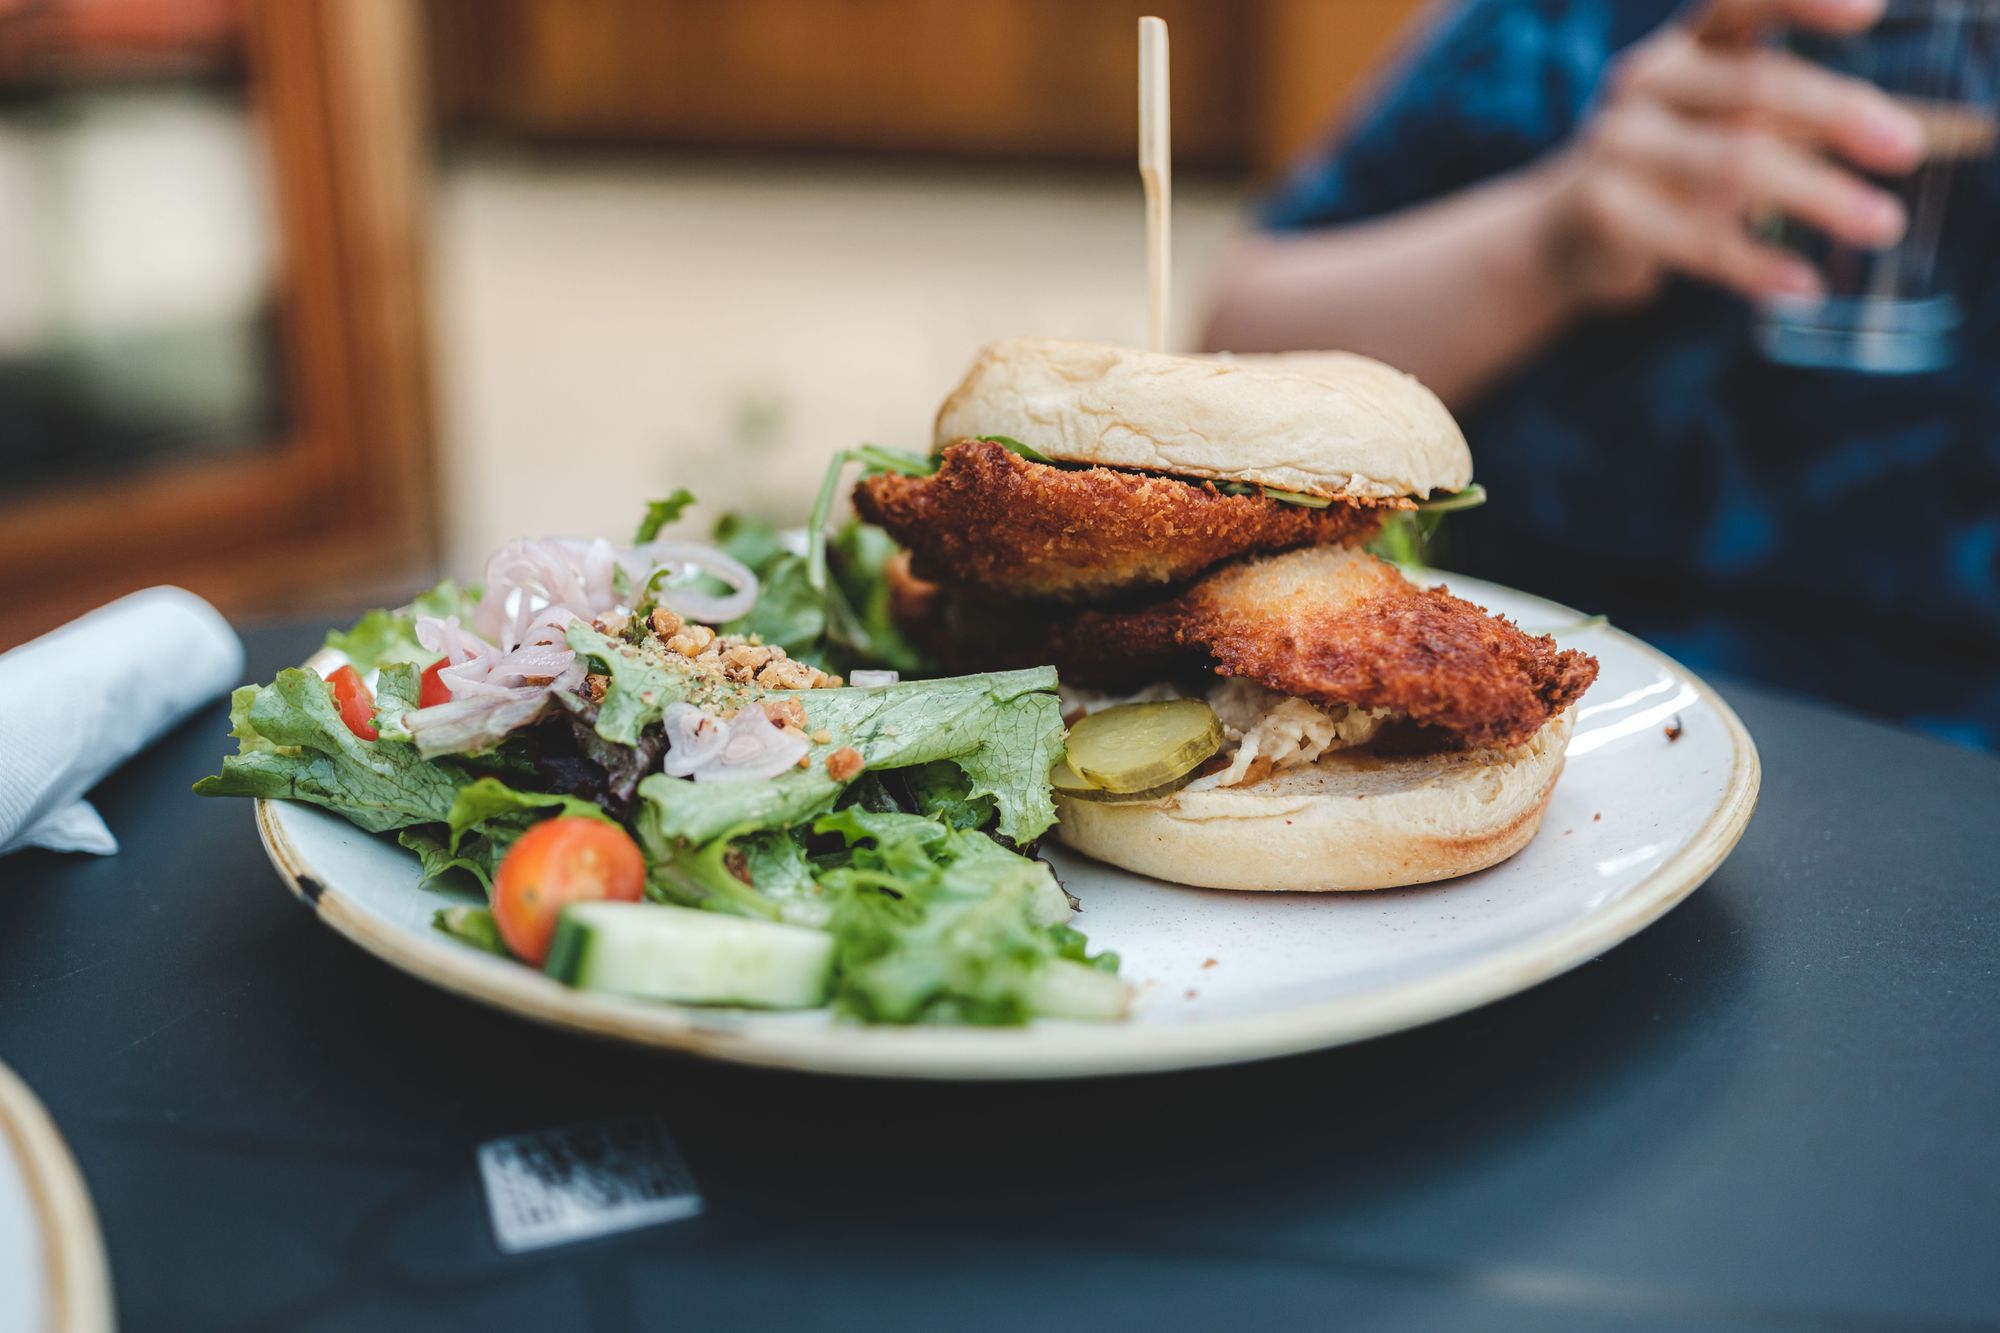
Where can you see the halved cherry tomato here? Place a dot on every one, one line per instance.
(431, 690)
(356, 704)
(573, 859)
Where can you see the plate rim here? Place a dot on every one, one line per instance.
(1058, 1050)
(73, 1262)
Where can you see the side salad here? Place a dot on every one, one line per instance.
(646, 757)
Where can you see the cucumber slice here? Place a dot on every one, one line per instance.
(694, 957)
(1132, 748)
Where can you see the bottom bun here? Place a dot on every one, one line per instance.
(1354, 820)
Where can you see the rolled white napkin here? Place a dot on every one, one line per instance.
(79, 701)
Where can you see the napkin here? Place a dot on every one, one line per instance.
(79, 701)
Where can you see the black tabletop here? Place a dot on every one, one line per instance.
(1776, 1108)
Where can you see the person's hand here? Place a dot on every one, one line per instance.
(1702, 129)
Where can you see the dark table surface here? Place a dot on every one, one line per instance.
(1777, 1108)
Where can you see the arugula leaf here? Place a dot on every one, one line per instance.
(1014, 446)
(659, 513)
(876, 458)
(1471, 497)
(471, 925)
(294, 746)
(750, 539)
(503, 814)
(861, 623)
(432, 844)
(1004, 729)
(391, 636)
(789, 613)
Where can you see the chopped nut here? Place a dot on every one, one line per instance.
(782, 673)
(845, 764)
(612, 624)
(822, 736)
(692, 641)
(744, 660)
(786, 712)
(664, 622)
(595, 685)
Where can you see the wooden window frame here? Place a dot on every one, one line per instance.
(346, 495)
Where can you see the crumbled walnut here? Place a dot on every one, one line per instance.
(612, 624)
(845, 764)
(595, 685)
(786, 712)
(664, 623)
(822, 736)
(744, 660)
(782, 673)
(692, 641)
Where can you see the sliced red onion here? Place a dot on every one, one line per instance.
(503, 670)
(865, 679)
(747, 747)
(687, 560)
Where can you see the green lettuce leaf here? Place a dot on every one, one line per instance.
(391, 636)
(642, 684)
(1003, 729)
(397, 689)
(938, 925)
(294, 746)
(471, 925)
(659, 513)
(943, 790)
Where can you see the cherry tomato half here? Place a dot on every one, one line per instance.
(573, 859)
(356, 704)
(431, 689)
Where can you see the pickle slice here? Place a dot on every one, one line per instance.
(1070, 782)
(1103, 797)
(1133, 748)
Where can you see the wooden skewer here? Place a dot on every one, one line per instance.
(1156, 171)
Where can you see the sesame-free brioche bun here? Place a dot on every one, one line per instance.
(1329, 424)
(1353, 820)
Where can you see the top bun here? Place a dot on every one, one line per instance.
(1330, 424)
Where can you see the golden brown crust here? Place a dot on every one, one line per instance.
(992, 520)
(1338, 626)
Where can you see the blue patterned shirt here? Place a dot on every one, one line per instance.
(1823, 531)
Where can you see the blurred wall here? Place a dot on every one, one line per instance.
(610, 331)
(689, 243)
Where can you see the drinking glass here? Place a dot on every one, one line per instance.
(1897, 310)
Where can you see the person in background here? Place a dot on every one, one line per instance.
(1547, 216)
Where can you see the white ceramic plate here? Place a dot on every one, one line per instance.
(52, 1273)
(1636, 823)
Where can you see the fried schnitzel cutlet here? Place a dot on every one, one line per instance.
(1337, 626)
(1015, 529)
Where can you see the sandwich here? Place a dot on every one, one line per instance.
(1256, 700)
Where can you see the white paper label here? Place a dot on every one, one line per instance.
(568, 1184)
